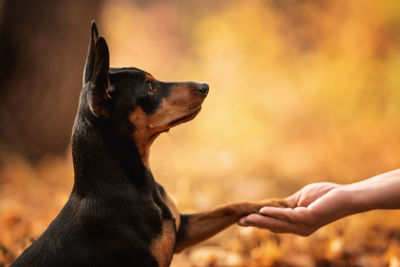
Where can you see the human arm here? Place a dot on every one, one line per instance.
(322, 203)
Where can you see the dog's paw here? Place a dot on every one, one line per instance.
(278, 203)
(245, 208)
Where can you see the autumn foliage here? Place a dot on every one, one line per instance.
(300, 91)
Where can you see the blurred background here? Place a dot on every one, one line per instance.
(300, 91)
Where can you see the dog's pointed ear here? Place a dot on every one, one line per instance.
(99, 80)
(91, 54)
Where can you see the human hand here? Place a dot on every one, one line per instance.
(315, 205)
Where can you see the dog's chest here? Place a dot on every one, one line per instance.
(162, 247)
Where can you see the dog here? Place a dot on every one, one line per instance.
(117, 214)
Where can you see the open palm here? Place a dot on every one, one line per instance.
(315, 205)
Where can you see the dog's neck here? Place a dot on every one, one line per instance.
(101, 159)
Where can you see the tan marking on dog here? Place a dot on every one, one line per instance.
(149, 78)
(176, 105)
(174, 210)
(141, 134)
(148, 127)
(162, 248)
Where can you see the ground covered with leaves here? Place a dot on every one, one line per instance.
(32, 196)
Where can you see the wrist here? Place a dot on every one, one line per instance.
(355, 198)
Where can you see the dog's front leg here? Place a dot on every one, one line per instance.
(195, 228)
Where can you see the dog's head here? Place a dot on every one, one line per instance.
(132, 101)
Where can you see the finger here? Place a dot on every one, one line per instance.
(286, 214)
(272, 224)
(299, 215)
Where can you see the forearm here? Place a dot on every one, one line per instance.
(198, 227)
(379, 192)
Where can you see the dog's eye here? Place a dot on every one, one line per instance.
(150, 90)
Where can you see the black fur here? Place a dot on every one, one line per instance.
(115, 209)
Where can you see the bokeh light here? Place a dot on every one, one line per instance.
(300, 91)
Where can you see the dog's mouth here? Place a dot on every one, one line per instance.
(173, 123)
(185, 118)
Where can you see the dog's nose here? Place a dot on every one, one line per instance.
(202, 88)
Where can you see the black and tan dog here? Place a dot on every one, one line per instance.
(117, 215)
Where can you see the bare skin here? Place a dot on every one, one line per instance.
(319, 204)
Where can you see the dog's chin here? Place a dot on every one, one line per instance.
(176, 122)
(184, 118)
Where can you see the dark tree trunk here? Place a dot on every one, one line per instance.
(42, 51)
